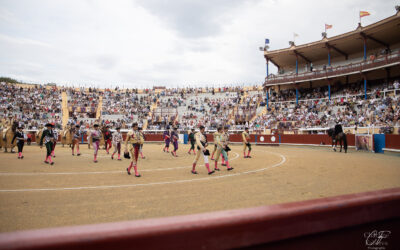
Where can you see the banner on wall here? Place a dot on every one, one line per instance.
(364, 142)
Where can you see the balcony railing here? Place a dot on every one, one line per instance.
(394, 57)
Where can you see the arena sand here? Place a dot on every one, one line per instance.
(76, 191)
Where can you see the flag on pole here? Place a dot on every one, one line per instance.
(294, 36)
(328, 26)
(266, 41)
(364, 13)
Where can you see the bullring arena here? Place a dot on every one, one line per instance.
(76, 191)
(284, 184)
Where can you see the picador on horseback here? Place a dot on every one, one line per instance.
(337, 134)
(7, 134)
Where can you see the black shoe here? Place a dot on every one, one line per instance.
(194, 172)
(229, 169)
(112, 157)
(127, 170)
(52, 163)
(248, 156)
(217, 169)
(210, 173)
(79, 154)
(22, 157)
(73, 154)
(223, 164)
(46, 162)
(54, 156)
(138, 175)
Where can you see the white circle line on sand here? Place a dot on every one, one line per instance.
(283, 160)
(102, 172)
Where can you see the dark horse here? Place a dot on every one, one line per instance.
(337, 135)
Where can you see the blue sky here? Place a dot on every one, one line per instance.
(141, 43)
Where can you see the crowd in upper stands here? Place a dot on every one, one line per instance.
(32, 107)
(347, 106)
(83, 104)
(190, 107)
(127, 106)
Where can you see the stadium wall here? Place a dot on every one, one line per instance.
(313, 139)
(391, 141)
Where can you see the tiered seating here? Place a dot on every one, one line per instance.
(126, 106)
(82, 103)
(347, 105)
(190, 108)
(32, 106)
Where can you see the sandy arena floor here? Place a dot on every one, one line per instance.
(77, 191)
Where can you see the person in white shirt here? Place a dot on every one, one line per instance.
(396, 84)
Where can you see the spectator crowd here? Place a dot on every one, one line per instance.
(239, 107)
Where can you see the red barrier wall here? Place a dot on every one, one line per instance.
(154, 137)
(210, 137)
(392, 141)
(267, 139)
(316, 224)
(33, 137)
(235, 138)
(314, 139)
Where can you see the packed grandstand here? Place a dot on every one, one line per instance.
(241, 107)
(352, 78)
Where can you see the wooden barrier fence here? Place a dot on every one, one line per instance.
(341, 222)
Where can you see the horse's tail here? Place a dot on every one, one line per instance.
(345, 142)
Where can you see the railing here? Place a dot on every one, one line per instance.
(333, 71)
(384, 92)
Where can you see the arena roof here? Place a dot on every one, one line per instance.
(379, 34)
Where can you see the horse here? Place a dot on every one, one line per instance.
(341, 137)
(8, 135)
(102, 141)
(38, 136)
(66, 136)
(1, 138)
